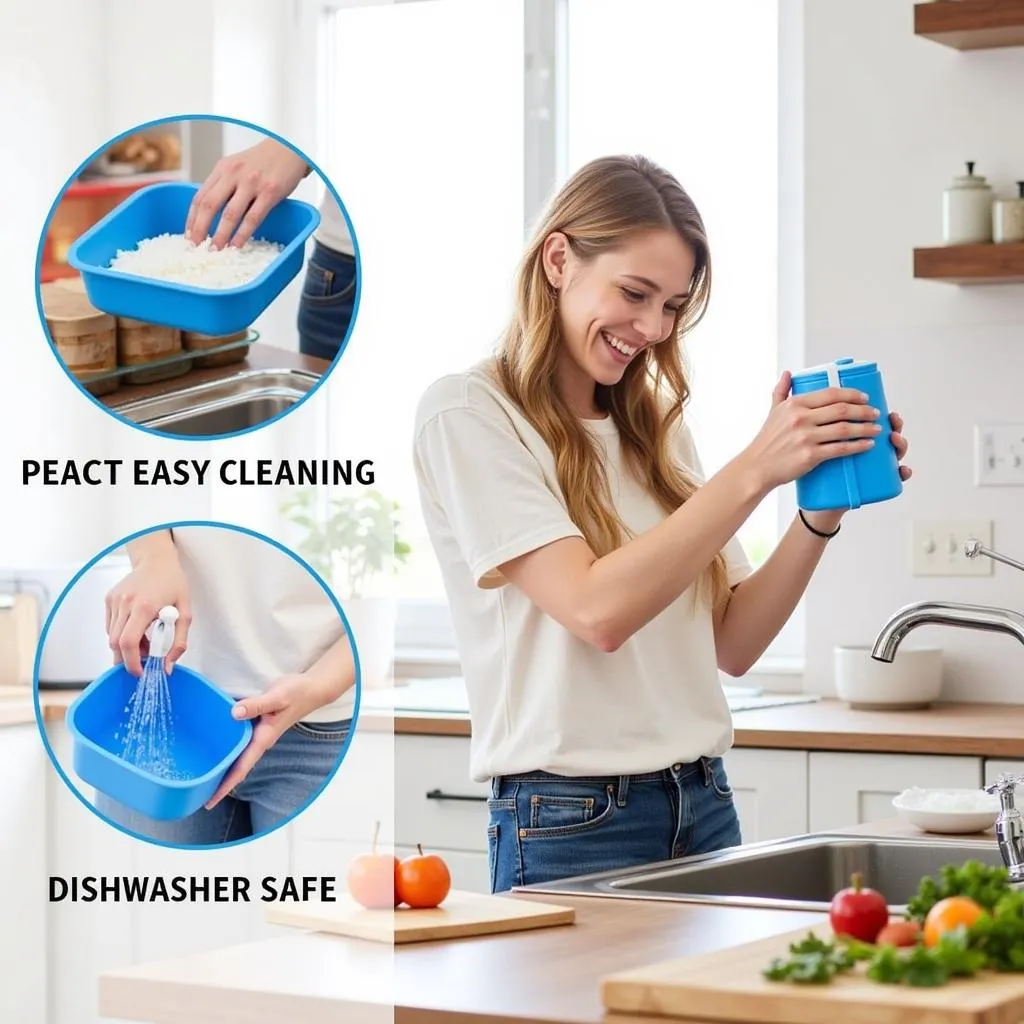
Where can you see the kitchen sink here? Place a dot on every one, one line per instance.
(239, 402)
(800, 873)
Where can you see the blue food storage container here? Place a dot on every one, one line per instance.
(162, 209)
(850, 480)
(207, 741)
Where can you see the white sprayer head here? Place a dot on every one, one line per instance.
(161, 632)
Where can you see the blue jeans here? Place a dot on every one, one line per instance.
(279, 785)
(545, 827)
(327, 302)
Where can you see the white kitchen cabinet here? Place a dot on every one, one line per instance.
(361, 793)
(23, 950)
(770, 791)
(437, 803)
(851, 789)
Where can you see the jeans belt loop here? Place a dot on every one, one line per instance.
(623, 791)
(705, 765)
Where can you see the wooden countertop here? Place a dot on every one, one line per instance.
(546, 976)
(970, 730)
(259, 357)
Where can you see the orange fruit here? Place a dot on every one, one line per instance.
(949, 914)
(423, 880)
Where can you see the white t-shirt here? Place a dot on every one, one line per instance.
(332, 230)
(257, 614)
(540, 698)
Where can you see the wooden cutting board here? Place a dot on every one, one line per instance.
(727, 986)
(461, 914)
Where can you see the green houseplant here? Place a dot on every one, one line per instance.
(354, 542)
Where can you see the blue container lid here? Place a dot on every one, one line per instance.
(848, 368)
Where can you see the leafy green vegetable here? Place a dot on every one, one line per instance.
(811, 961)
(994, 942)
(981, 883)
(886, 966)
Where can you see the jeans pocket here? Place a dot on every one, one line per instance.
(326, 286)
(493, 834)
(554, 811)
(719, 780)
(336, 731)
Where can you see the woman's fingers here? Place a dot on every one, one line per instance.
(206, 208)
(235, 210)
(840, 412)
(831, 396)
(781, 392)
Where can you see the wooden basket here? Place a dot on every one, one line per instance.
(85, 338)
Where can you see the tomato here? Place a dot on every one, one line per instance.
(949, 914)
(423, 880)
(858, 912)
(373, 878)
(899, 933)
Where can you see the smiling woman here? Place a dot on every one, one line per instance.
(594, 576)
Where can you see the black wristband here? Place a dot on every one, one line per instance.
(818, 533)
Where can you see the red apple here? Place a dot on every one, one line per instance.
(858, 911)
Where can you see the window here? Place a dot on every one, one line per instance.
(437, 143)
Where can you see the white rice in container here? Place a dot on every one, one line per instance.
(174, 258)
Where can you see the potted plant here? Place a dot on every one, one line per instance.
(354, 543)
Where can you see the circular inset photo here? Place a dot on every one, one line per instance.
(230, 690)
(198, 277)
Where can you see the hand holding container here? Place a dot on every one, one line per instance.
(850, 481)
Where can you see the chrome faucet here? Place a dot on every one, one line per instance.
(949, 613)
(1010, 823)
(1009, 826)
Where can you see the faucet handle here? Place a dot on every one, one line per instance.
(1004, 786)
(973, 547)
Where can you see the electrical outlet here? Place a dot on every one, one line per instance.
(938, 547)
(999, 455)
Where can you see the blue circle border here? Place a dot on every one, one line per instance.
(242, 124)
(353, 643)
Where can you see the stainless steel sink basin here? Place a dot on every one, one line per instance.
(802, 873)
(243, 400)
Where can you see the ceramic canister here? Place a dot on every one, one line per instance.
(1008, 218)
(967, 209)
(850, 481)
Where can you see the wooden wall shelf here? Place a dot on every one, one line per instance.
(971, 24)
(991, 263)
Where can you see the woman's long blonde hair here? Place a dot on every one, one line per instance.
(598, 209)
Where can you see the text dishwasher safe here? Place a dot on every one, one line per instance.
(851, 480)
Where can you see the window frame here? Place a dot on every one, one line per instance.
(425, 640)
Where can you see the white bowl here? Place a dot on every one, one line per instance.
(911, 681)
(969, 810)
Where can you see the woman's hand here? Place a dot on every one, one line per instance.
(900, 443)
(247, 186)
(802, 431)
(287, 701)
(156, 580)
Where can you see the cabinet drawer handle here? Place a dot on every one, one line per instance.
(437, 794)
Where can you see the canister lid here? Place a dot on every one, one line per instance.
(970, 179)
(847, 366)
(69, 313)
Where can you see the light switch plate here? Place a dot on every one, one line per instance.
(938, 547)
(999, 455)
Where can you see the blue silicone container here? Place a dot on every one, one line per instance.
(207, 741)
(163, 208)
(851, 480)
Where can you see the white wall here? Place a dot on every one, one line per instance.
(890, 119)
